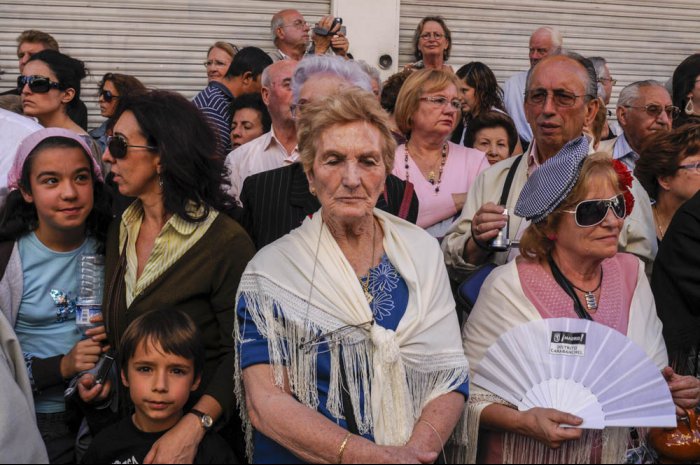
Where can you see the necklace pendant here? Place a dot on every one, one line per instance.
(591, 301)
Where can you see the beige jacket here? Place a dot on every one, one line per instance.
(637, 235)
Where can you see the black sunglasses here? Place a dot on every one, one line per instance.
(37, 84)
(591, 213)
(108, 96)
(118, 146)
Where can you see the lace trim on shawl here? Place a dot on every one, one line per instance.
(288, 320)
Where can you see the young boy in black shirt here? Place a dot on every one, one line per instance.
(161, 359)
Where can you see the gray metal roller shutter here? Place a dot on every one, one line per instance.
(641, 39)
(163, 43)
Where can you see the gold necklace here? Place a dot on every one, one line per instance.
(365, 283)
(657, 218)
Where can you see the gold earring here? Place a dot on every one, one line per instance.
(313, 191)
(690, 107)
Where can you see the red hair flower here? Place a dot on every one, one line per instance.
(625, 179)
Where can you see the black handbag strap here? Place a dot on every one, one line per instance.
(569, 289)
(347, 403)
(509, 180)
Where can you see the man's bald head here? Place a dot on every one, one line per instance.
(544, 41)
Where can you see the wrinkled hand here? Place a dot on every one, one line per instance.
(92, 393)
(180, 444)
(543, 426)
(321, 43)
(405, 454)
(340, 44)
(684, 389)
(82, 357)
(487, 222)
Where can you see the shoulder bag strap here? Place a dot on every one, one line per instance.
(347, 403)
(509, 181)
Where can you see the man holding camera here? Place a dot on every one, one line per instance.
(291, 36)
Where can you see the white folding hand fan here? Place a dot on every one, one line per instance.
(578, 367)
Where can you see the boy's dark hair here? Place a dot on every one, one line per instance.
(249, 60)
(253, 102)
(173, 330)
(18, 218)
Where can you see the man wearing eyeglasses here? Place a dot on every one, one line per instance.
(644, 109)
(291, 35)
(560, 101)
(544, 41)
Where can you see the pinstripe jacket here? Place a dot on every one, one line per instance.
(276, 202)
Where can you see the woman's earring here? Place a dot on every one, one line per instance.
(690, 107)
(160, 181)
(552, 237)
(313, 191)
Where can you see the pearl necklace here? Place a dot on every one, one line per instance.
(431, 175)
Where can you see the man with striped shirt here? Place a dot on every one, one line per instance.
(242, 77)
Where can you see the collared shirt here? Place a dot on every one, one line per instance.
(514, 100)
(215, 102)
(262, 154)
(626, 154)
(174, 240)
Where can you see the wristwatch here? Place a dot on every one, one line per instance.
(206, 421)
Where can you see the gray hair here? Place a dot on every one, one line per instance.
(276, 23)
(630, 94)
(599, 63)
(591, 85)
(373, 73)
(346, 70)
(554, 33)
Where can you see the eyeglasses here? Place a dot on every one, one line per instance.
(298, 24)
(440, 102)
(37, 84)
(691, 167)
(215, 64)
(655, 111)
(431, 35)
(108, 96)
(591, 213)
(334, 338)
(612, 81)
(562, 98)
(297, 108)
(118, 146)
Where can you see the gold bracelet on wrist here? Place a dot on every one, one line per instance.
(341, 452)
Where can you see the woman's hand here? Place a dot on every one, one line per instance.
(543, 425)
(684, 389)
(180, 444)
(82, 357)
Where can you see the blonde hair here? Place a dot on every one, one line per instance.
(536, 244)
(419, 83)
(349, 106)
(227, 47)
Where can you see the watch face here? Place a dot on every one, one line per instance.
(207, 422)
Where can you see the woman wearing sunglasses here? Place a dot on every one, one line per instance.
(110, 90)
(569, 268)
(173, 248)
(50, 87)
(669, 169)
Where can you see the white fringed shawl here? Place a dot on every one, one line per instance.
(503, 305)
(399, 372)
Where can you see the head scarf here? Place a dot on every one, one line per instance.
(551, 184)
(33, 140)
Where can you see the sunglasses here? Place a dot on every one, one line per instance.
(107, 96)
(37, 84)
(118, 147)
(591, 213)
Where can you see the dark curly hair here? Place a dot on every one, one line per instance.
(18, 217)
(488, 93)
(192, 173)
(253, 102)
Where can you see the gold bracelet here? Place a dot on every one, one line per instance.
(342, 447)
(442, 444)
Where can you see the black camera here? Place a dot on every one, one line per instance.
(322, 31)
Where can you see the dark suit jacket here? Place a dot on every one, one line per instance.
(276, 202)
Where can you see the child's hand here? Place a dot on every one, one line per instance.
(82, 357)
(98, 334)
(92, 393)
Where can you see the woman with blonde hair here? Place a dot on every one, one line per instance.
(219, 58)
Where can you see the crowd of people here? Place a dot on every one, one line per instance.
(282, 254)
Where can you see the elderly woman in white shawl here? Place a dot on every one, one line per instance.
(349, 342)
(577, 204)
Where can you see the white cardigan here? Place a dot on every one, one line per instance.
(12, 287)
